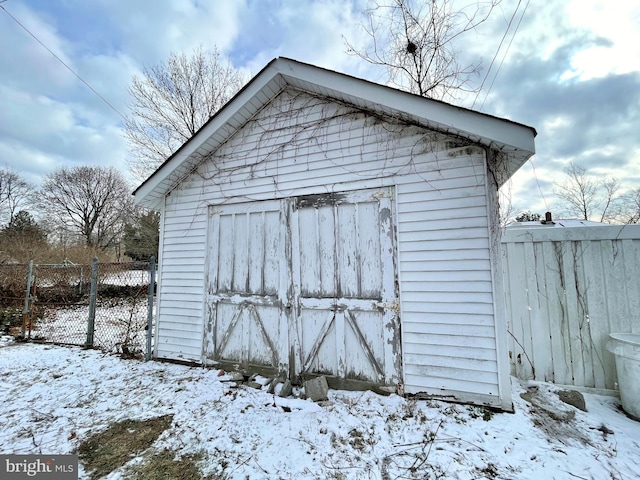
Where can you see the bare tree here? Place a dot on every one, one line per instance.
(92, 202)
(172, 100)
(15, 194)
(630, 210)
(415, 42)
(587, 197)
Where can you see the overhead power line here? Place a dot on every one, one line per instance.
(535, 174)
(486, 75)
(515, 12)
(505, 53)
(62, 62)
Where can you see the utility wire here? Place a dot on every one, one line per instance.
(505, 53)
(62, 62)
(535, 174)
(496, 54)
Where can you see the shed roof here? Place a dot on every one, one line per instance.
(514, 139)
(558, 223)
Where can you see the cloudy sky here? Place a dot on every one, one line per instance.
(572, 71)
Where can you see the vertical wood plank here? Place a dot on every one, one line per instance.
(596, 315)
(573, 321)
(340, 340)
(255, 254)
(370, 235)
(519, 314)
(387, 254)
(346, 251)
(326, 232)
(553, 253)
(240, 258)
(308, 251)
(630, 264)
(541, 331)
(529, 310)
(291, 347)
(211, 282)
(272, 252)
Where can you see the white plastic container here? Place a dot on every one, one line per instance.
(626, 348)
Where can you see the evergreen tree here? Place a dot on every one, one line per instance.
(528, 217)
(23, 228)
(142, 236)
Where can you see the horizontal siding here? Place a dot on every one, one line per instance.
(421, 309)
(181, 288)
(473, 319)
(445, 286)
(425, 223)
(476, 365)
(472, 211)
(462, 385)
(442, 374)
(443, 244)
(428, 296)
(477, 268)
(471, 334)
(181, 316)
(462, 193)
(448, 255)
(448, 324)
(190, 335)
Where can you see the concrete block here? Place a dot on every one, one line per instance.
(232, 377)
(286, 389)
(573, 398)
(316, 389)
(272, 386)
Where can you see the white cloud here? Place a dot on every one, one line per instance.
(619, 22)
(565, 56)
(149, 32)
(26, 63)
(310, 32)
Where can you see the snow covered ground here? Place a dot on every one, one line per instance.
(116, 323)
(120, 317)
(53, 397)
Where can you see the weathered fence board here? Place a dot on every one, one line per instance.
(567, 288)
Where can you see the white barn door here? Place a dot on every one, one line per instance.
(247, 286)
(306, 286)
(344, 277)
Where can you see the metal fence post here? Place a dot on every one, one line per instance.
(152, 280)
(27, 300)
(92, 303)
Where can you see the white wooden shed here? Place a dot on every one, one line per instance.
(323, 224)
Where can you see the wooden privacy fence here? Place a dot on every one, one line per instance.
(566, 289)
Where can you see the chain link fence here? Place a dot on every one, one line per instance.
(103, 305)
(13, 281)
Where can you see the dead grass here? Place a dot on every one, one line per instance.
(106, 451)
(164, 466)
